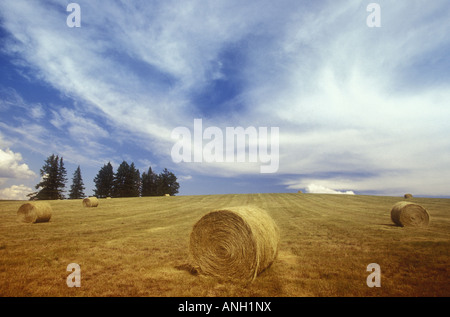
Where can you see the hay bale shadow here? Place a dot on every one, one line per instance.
(191, 269)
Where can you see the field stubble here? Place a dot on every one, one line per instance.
(139, 247)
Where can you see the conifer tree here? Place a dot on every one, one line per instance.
(53, 179)
(149, 183)
(77, 188)
(135, 176)
(104, 181)
(121, 180)
(166, 183)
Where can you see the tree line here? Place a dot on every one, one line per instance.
(127, 181)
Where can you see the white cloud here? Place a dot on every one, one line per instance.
(15, 192)
(318, 189)
(10, 166)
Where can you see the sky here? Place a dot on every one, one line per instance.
(359, 109)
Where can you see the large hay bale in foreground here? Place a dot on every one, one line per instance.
(408, 196)
(90, 202)
(34, 212)
(409, 214)
(234, 243)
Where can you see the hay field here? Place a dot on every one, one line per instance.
(139, 247)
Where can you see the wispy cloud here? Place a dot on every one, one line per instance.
(80, 127)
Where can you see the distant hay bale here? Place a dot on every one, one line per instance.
(34, 212)
(234, 243)
(166, 194)
(90, 202)
(408, 196)
(409, 214)
(299, 192)
(108, 197)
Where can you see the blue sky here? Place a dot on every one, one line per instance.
(360, 110)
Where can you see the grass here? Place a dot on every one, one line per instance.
(139, 247)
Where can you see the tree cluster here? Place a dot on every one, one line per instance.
(128, 182)
(53, 179)
(125, 182)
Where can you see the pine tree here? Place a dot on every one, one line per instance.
(77, 188)
(104, 181)
(166, 183)
(53, 180)
(127, 181)
(120, 180)
(61, 179)
(135, 175)
(149, 183)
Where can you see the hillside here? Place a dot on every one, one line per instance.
(139, 247)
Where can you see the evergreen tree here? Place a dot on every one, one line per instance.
(166, 183)
(149, 183)
(104, 181)
(62, 178)
(135, 175)
(127, 181)
(120, 180)
(53, 180)
(77, 188)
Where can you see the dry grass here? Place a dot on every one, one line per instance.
(139, 247)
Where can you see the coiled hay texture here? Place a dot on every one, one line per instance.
(409, 214)
(90, 202)
(236, 243)
(34, 212)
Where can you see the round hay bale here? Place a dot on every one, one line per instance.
(299, 192)
(108, 197)
(408, 196)
(90, 202)
(166, 194)
(409, 214)
(34, 212)
(234, 243)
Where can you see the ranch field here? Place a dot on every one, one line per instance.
(138, 247)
